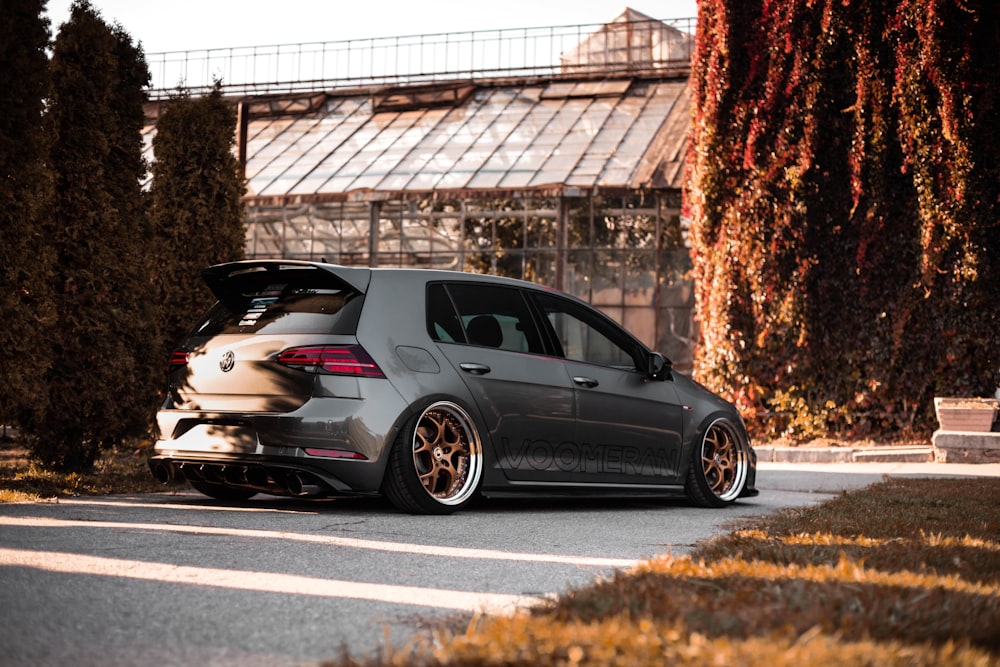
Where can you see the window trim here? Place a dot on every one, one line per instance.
(539, 334)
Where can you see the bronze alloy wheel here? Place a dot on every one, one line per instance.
(718, 473)
(447, 454)
(724, 462)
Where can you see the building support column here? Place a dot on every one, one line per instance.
(242, 124)
(374, 214)
(562, 241)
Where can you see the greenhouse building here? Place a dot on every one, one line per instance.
(550, 154)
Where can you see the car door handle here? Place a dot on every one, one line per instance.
(585, 381)
(475, 369)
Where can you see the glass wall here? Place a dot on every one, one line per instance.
(623, 254)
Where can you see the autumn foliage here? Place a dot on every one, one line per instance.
(844, 188)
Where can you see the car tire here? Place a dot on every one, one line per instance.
(436, 462)
(222, 492)
(719, 466)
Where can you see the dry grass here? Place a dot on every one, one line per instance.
(906, 572)
(23, 480)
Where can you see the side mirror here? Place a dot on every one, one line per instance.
(657, 366)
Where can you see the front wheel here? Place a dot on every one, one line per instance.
(436, 463)
(719, 466)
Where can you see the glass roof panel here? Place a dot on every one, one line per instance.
(493, 170)
(412, 151)
(269, 154)
(457, 161)
(611, 137)
(529, 143)
(261, 141)
(408, 129)
(500, 136)
(435, 155)
(426, 164)
(368, 155)
(349, 137)
(338, 124)
(642, 127)
(566, 148)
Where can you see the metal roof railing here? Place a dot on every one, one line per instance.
(543, 51)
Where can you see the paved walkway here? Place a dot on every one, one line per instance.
(897, 469)
(915, 460)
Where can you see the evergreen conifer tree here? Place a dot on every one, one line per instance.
(196, 204)
(102, 382)
(25, 261)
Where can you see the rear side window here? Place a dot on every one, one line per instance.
(484, 315)
(283, 303)
(443, 322)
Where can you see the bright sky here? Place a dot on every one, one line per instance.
(180, 25)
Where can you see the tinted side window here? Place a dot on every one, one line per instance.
(493, 316)
(442, 320)
(585, 336)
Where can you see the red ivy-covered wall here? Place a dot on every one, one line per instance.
(844, 187)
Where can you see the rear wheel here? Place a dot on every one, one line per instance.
(223, 492)
(436, 463)
(719, 467)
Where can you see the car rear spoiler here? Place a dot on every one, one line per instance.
(221, 278)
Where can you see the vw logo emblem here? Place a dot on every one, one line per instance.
(227, 362)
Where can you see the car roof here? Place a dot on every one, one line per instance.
(360, 277)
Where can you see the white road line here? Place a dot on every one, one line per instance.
(178, 506)
(349, 542)
(264, 582)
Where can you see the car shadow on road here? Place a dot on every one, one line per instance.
(507, 505)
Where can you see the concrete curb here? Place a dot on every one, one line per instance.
(845, 454)
(966, 447)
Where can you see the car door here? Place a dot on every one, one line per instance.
(488, 333)
(628, 423)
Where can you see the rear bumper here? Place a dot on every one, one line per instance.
(350, 439)
(300, 476)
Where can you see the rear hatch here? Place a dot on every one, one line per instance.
(271, 320)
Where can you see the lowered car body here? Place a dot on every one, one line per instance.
(432, 387)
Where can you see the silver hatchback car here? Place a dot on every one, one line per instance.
(432, 387)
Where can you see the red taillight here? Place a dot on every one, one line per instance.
(334, 359)
(178, 359)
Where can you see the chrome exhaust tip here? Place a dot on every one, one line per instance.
(163, 472)
(298, 485)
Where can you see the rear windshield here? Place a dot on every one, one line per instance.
(284, 308)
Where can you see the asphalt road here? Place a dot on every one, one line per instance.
(179, 579)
